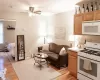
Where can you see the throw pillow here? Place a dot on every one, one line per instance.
(45, 47)
(62, 51)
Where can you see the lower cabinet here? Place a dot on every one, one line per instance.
(72, 63)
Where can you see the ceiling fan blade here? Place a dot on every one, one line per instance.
(37, 12)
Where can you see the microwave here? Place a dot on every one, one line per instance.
(91, 27)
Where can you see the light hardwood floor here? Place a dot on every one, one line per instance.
(11, 75)
(66, 76)
(4, 62)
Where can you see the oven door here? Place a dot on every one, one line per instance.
(92, 74)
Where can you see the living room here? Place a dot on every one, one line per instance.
(43, 27)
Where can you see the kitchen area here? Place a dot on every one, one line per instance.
(84, 58)
(86, 62)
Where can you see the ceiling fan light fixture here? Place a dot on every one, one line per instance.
(31, 9)
(32, 12)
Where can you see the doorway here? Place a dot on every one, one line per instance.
(7, 38)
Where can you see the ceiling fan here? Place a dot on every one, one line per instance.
(32, 11)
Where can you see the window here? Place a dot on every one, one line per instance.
(42, 30)
(1, 32)
(43, 27)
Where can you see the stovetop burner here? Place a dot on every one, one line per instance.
(91, 52)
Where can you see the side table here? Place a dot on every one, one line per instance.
(41, 59)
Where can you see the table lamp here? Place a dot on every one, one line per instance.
(71, 39)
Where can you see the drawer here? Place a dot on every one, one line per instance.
(72, 53)
(81, 77)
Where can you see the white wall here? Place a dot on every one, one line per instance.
(65, 19)
(27, 26)
(9, 35)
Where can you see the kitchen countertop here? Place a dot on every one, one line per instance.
(76, 49)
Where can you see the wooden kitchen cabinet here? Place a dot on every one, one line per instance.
(79, 18)
(97, 15)
(78, 24)
(72, 63)
(89, 16)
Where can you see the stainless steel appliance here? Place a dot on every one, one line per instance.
(91, 27)
(92, 54)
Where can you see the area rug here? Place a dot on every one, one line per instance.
(26, 70)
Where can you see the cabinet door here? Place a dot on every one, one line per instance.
(89, 16)
(97, 15)
(72, 65)
(78, 24)
(72, 53)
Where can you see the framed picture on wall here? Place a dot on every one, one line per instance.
(20, 47)
(60, 33)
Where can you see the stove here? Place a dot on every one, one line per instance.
(91, 51)
(91, 54)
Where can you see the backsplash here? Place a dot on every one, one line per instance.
(81, 39)
(89, 38)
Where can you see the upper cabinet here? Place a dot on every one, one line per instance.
(89, 16)
(97, 15)
(79, 18)
(78, 24)
(87, 10)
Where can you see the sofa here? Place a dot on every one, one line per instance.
(53, 55)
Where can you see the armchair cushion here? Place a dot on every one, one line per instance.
(52, 47)
(58, 49)
(53, 56)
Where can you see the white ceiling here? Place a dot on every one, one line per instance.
(52, 6)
